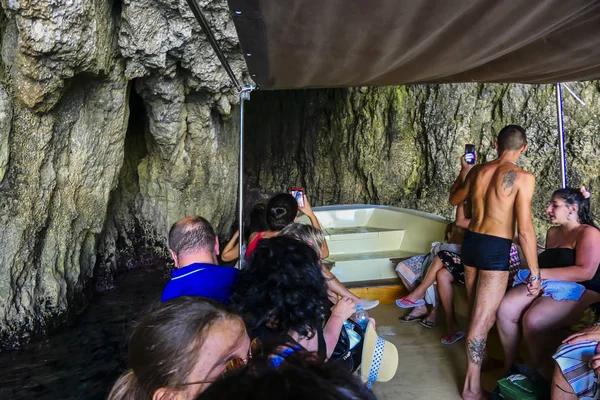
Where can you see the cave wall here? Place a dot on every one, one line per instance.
(401, 146)
(84, 190)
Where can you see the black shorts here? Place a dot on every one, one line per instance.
(486, 252)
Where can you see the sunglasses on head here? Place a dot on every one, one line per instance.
(238, 362)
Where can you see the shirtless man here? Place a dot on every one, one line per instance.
(500, 193)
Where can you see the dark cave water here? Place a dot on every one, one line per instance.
(83, 361)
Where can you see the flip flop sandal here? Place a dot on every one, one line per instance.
(410, 318)
(427, 323)
(456, 336)
(411, 304)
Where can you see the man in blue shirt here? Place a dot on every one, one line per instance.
(194, 248)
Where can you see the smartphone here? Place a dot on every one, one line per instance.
(470, 153)
(298, 194)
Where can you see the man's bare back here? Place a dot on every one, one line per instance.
(494, 188)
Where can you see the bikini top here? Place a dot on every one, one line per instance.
(252, 245)
(563, 257)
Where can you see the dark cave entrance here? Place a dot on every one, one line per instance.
(122, 246)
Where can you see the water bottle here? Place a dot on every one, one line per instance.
(361, 318)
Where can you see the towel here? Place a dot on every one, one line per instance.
(572, 360)
(558, 290)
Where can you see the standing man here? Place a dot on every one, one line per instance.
(500, 194)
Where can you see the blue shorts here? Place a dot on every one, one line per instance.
(486, 252)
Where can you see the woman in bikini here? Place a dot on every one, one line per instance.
(255, 221)
(572, 255)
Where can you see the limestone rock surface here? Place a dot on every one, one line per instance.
(401, 146)
(116, 119)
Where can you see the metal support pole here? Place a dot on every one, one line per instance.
(244, 96)
(197, 11)
(561, 135)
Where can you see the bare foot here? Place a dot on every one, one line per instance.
(419, 311)
(413, 297)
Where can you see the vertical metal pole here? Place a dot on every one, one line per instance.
(244, 95)
(561, 135)
(241, 180)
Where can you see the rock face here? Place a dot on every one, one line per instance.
(401, 145)
(116, 119)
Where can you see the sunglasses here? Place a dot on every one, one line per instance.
(238, 362)
(235, 363)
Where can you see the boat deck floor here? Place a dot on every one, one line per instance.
(427, 369)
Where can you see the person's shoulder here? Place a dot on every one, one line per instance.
(253, 236)
(524, 173)
(525, 176)
(590, 232)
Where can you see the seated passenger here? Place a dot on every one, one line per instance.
(180, 348)
(315, 239)
(572, 255)
(255, 221)
(282, 297)
(578, 366)
(281, 211)
(300, 377)
(194, 248)
(446, 268)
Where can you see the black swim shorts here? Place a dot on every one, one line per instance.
(486, 252)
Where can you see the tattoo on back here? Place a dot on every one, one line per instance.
(476, 351)
(509, 180)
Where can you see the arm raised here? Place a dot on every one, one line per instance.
(460, 190)
(231, 250)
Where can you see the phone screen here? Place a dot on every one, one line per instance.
(298, 194)
(470, 153)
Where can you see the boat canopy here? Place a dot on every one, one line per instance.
(292, 44)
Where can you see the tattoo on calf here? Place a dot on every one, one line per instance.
(509, 180)
(476, 351)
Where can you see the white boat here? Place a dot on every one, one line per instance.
(367, 241)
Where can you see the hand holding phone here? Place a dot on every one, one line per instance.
(470, 153)
(298, 194)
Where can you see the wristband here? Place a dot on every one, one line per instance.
(535, 278)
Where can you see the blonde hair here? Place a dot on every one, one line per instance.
(163, 348)
(305, 233)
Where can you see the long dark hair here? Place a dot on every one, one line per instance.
(255, 221)
(300, 376)
(281, 211)
(574, 196)
(282, 287)
(164, 346)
